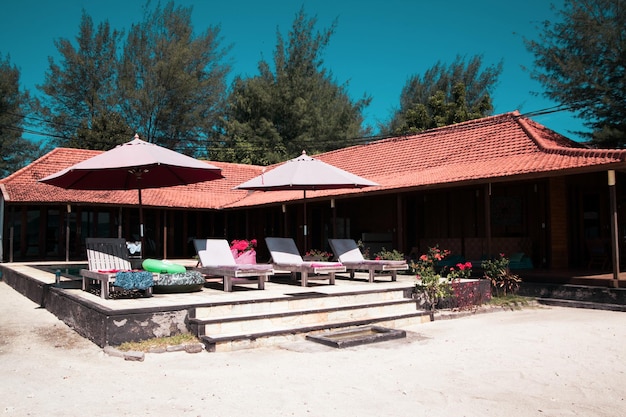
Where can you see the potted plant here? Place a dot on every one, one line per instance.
(243, 251)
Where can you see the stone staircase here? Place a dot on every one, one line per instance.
(265, 322)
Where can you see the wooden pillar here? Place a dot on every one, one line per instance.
(400, 238)
(487, 201)
(558, 234)
(67, 232)
(165, 231)
(614, 229)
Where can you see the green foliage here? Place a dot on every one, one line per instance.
(460, 271)
(172, 82)
(445, 284)
(105, 132)
(81, 88)
(167, 84)
(159, 343)
(445, 95)
(503, 282)
(512, 301)
(580, 61)
(319, 255)
(392, 255)
(431, 284)
(294, 106)
(15, 151)
(364, 250)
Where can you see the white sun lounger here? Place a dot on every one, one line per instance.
(286, 257)
(216, 259)
(349, 254)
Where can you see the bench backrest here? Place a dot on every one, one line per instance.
(283, 250)
(346, 250)
(107, 253)
(214, 252)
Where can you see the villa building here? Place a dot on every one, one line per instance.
(500, 184)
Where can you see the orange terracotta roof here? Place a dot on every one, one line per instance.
(488, 149)
(23, 186)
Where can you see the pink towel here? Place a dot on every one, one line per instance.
(325, 264)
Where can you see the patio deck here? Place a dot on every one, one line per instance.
(114, 321)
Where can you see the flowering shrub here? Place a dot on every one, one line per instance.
(460, 271)
(443, 287)
(319, 255)
(432, 285)
(242, 245)
(502, 280)
(426, 264)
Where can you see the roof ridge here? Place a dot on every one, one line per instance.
(530, 127)
(460, 125)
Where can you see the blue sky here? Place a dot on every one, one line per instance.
(376, 47)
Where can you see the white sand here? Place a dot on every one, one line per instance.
(534, 362)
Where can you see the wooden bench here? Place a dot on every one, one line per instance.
(105, 257)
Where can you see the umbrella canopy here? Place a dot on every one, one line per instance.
(305, 173)
(134, 165)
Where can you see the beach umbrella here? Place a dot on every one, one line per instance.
(134, 165)
(306, 174)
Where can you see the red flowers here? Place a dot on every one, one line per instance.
(243, 245)
(463, 267)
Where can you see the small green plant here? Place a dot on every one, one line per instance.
(390, 255)
(364, 250)
(319, 255)
(512, 301)
(503, 282)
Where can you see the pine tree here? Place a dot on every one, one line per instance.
(581, 62)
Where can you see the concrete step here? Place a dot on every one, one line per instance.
(238, 341)
(296, 317)
(297, 301)
(268, 322)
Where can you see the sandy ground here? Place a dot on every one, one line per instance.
(533, 362)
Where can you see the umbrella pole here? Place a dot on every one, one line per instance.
(305, 231)
(143, 247)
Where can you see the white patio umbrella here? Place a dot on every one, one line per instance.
(305, 173)
(134, 165)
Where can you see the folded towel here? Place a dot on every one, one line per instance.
(324, 264)
(134, 280)
(382, 262)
